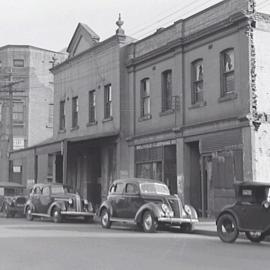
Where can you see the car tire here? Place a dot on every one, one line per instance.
(28, 213)
(227, 228)
(89, 219)
(255, 237)
(105, 219)
(149, 222)
(6, 212)
(186, 228)
(56, 215)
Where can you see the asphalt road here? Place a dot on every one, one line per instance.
(42, 245)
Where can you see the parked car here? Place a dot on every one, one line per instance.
(146, 203)
(249, 214)
(12, 199)
(56, 201)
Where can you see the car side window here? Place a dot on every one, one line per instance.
(46, 191)
(131, 189)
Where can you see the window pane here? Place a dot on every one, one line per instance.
(167, 90)
(229, 82)
(229, 61)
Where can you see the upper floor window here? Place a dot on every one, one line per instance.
(92, 106)
(197, 81)
(75, 111)
(62, 115)
(1, 106)
(166, 90)
(18, 62)
(18, 112)
(108, 101)
(227, 72)
(145, 97)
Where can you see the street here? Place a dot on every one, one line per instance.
(74, 245)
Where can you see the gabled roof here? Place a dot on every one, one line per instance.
(83, 38)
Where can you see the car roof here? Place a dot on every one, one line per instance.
(252, 184)
(137, 180)
(11, 184)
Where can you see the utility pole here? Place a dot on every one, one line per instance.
(8, 85)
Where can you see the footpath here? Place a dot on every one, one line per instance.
(206, 227)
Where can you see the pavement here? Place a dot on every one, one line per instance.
(206, 227)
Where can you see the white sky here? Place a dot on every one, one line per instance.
(50, 24)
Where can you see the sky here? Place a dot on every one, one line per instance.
(50, 24)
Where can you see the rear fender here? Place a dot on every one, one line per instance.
(152, 207)
(231, 212)
(105, 205)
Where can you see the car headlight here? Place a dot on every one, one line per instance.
(70, 201)
(85, 202)
(188, 210)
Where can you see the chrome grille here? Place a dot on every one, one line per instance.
(175, 207)
(78, 203)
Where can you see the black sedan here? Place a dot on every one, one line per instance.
(146, 203)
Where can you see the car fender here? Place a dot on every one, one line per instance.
(231, 212)
(105, 205)
(29, 204)
(152, 207)
(194, 214)
(59, 204)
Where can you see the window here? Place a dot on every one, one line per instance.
(108, 101)
(75, 110)
(46, 191)
(131, 188)
(197, 82)
(117, 188)
(166, 90)
(227, 72)
(145, 97)
(18, 62)
(18, 112)
(62, 115)
(1, 106)
(92, 106)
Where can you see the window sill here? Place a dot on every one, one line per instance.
(74, 128)
(107, 119)
(94, 123)
(145, 117)
(60, 131)
(228, 97)
(170, 111)
(198, 105)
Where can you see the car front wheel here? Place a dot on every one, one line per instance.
(149, 222)
(28, 213)
(255, 237)
(186, 228)
(227, 228)
(56, 215)
(105, 219)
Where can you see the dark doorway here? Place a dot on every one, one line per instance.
(59, 168)
(170, 168)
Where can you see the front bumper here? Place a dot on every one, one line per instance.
(77, 214)
(177, 221)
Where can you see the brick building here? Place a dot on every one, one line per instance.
(32, 103)
(200, 112)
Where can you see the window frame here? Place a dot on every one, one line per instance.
(195, 94)
(18, 62)
(108, 101)
(92, 106)
(145, 96)
(75, 111)
(62, 115)
(225, 74)
(166, 92)
(20, 113)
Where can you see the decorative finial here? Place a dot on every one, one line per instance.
(119, 23)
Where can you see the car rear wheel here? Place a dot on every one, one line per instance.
(6, 211)
(56, 215)
(105, 219)
(255, 237)
(227, 228)
(28, 213)
(186, 228)
(149, 222)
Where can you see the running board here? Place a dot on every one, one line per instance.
(40, 215)
(123, 220)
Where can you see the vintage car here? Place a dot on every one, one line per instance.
(146, 203)
(12, 199)
(249, 214)
(56, 201)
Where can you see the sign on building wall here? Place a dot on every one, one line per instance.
(18, 143)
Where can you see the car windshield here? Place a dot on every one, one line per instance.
(58, 190)
(154, 188)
